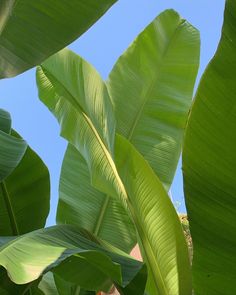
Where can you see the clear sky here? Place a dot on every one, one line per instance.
(101, 46)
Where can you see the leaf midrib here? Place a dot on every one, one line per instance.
(149, 90)
(150, 256)
(75, 104)
(124, 194)
(78, 107)
(101, 216)
(152, 83)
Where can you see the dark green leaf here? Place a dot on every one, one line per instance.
(12, 149)
(209, 161)
(24, 196)
(31, 31)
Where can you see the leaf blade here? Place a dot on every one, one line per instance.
(151, 86)
(31, 31)
(208, 166)
(60, 247)
(158, 226)
(83, 205)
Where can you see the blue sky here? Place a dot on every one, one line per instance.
(101, 46)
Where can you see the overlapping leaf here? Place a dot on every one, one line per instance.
(209, 162)
(63, 83)
(78, 97)
(63, 249)
(31, 31)
(160, 233)
(83, 205)
(170, 243)
(24, 186)
(151, 87)
(157, 67)
(12, 149)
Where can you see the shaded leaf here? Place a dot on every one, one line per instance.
(24, 196)
(209, 162)
(63, 249)
(12, 149)
(31, 31)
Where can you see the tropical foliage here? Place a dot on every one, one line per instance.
(124, 138)
(30, 31)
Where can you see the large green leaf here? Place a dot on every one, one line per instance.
(24, 192)
(151, 87)
(31, 31)
(5, 121)
(25, 196)
(75, 93)
(78, 97)
(98, 213)
(83, 205)
(12, 149)
(162, 238)
(64, 249)
(209, 162)
(160, 233)
(24, 184)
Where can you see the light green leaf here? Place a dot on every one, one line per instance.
(209, 162)
(31, 31)
(75, 93)
(77, 96)
(151, 87)
(12, 149)
(168, 260)
(129, 100)
(161, 237)
(83, 205)
(63, 249)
